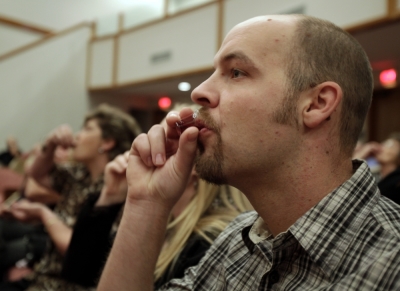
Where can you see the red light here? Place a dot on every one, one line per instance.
(164, 103)
(388, 78)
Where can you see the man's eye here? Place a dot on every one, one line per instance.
(236, 73)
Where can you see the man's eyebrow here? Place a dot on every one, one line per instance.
(238, 56)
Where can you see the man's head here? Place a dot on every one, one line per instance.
(275, 77)
(322, 52)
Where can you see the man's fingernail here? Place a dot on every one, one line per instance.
(159, 159)
(175, 114)
(192, 136)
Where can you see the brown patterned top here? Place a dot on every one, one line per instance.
(74, 183)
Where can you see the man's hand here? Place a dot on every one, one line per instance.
(159, 166)
(115, 185)
(161, 161)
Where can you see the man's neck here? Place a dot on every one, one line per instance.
(286, 196)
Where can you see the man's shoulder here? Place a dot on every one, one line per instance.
(387, 214)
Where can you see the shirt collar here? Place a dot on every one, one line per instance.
(248, 226)
(326, 230)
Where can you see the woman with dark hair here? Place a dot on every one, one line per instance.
(106, 132)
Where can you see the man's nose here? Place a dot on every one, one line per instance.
(206, 94)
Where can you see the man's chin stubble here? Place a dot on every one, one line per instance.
(210, 168)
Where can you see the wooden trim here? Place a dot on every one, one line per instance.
(115, 64)
(371, 24)
(102, 89)
(120, 22)
(104, 37)
(89, 55)
(93, 30)
(141, 26)
(191, 9)
(111, 35)
(392, 14)
(166, 6)
(43, 40)
(220, 24)
(115, 61)
(149, 81)
(25, 26)
(392, 8)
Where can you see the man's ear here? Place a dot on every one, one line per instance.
(107, 144)
(320, 103)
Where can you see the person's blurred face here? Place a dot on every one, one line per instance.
(389, 152)
(241, 137)
(88, 142)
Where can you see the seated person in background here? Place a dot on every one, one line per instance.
(387, 154)
(280, 119)
(23, 244)
(198, 217)
(106, 132)
(10, 153)
(10, 181)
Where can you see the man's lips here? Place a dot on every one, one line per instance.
(200, 124)
(186, 123)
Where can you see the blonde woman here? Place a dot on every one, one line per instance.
(195, 222)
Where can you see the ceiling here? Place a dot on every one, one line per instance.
(381, 42)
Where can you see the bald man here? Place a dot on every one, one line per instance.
(280, 118)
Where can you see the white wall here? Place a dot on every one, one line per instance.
(101, 54)
(187, 47)
(179, 5)
(343, 13)
(12, 38)
(61, 14)
(44, 87)
(143, 12)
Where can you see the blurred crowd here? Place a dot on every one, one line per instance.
(61, 203)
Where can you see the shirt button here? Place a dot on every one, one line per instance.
(273, 277)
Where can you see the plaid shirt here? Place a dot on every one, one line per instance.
(349, 241)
